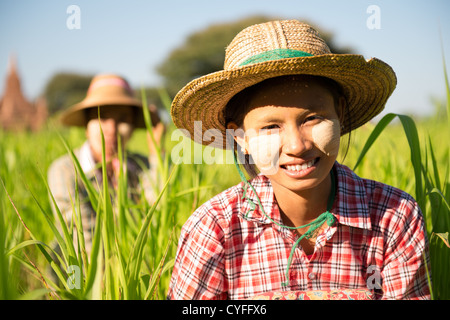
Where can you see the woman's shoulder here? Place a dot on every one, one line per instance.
(219, 209)
(373, 188)
(383, 201)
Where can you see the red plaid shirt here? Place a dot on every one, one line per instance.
(228, 251)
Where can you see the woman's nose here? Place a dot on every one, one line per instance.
(294, 142)
(109, 126)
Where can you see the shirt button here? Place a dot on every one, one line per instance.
(312, 276)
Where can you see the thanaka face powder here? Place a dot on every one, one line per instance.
(326, 136)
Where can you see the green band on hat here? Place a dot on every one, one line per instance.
(275, 54)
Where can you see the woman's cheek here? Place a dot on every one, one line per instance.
(265, 152)
(93, 134)
(125, 130)
(326, 136)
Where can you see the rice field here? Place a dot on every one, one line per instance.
(135, 244)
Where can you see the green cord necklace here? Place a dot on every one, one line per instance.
(313, 226)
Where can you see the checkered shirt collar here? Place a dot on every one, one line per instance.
(350, 206)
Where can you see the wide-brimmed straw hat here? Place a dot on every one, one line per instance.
(280, 48)
(105, 91)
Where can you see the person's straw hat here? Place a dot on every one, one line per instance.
(274, 49)
(105, 91)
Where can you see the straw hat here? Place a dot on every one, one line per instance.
(274, 49)
(105, 91)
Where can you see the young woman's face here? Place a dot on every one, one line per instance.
(114, 122)
(297, 119)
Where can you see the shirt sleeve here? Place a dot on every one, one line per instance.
(404, 275)
(199, 271)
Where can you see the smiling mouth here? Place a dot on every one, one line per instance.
(301, 167)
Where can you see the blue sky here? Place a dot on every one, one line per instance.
(132, 37)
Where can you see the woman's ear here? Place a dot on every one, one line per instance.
(239, 136)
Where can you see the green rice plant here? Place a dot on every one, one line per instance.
(104, 256)
(410, 131)
(432, 192)
(7, 283)
(16, 176)
(134, 244)
(438, 191)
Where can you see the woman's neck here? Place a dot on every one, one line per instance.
(300, 208)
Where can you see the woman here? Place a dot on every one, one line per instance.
(109, 112)
(306, 227)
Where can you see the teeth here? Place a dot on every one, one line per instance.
(299, 167)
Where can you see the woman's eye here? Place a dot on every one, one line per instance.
(271, 126)
(312, 118)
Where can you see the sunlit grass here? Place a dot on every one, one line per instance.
(135, 243)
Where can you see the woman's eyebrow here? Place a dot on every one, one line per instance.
(269, 118)
(276, 117)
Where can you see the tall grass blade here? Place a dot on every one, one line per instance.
(159, 270)
(108, 224)
(66, 245)
(443, 237)
(430, 284)
(92, 193)
(79, 228)
(414, 146)
(6, 287)
(437, 191)
(165, 98)
(149, 127)
(437, 180)
(136, 255)
(55, 267)
(92, 271)
(447, 85)
(35, 294)
(410, 131)
(440, 260)
(373, 136)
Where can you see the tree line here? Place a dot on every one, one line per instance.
(201, 53)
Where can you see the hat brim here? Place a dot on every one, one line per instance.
(366, 84)
(76, 114)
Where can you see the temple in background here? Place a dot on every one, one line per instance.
(16, 112)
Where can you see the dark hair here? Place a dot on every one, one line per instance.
(239, 105)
